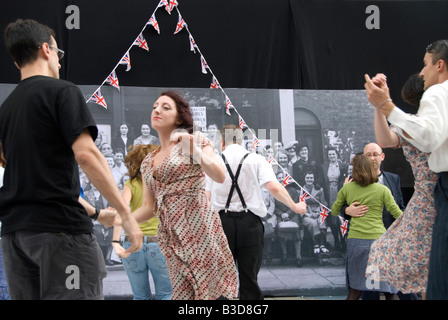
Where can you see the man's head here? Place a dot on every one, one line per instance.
(435, 64)
(231, 134)
(28, 41)
(374, 152)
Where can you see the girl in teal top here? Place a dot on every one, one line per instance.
(364, 228)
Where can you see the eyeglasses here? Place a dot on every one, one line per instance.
(373, 154)
(60, 52)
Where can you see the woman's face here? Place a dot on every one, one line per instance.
(164, 114)
(146, 130)
(332, 156)
(309, 179)
(283, 159)
(124, 129)
(303, 153)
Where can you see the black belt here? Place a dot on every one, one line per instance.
(146, 239)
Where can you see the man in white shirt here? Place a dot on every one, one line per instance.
(241, 206)
(428, 131)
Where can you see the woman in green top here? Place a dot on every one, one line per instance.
(364, 228)
(148, 258)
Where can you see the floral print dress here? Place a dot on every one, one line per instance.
(200, 263)
(401, 255)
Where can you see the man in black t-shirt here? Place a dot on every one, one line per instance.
(47, 129)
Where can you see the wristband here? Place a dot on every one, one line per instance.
(97, 213)
(116, 241)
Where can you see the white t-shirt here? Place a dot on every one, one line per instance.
(255, 172)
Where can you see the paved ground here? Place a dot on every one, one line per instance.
(311, 281)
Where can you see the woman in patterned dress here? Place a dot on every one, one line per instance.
(401, 255)
(191, 237)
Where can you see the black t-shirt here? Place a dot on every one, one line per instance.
(39, 121)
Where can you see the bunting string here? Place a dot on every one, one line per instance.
(141, 42)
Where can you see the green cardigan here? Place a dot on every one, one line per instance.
(375, 196)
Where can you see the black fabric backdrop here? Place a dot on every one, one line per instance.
(287, 44)
(298, 44)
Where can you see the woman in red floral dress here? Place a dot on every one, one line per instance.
(191, 237)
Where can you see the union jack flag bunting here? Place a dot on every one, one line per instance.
(204, 65)
(344, 225)
(271, 159)
(113, 80)
(98, 98)
(193, 44)
(242, 123)
(324, 212)
(162, 3)
(228, 106)
(304, 195)
(170, 4)
(126, 60)
(287, 179)
(141, 42)
(153, 22)
(256, 143)
(215, 84)
(180, 24)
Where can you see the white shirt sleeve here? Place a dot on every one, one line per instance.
(427, 128)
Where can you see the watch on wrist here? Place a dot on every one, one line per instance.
(97, 213)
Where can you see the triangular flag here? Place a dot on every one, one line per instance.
(256, 143)
(304, 195)
(287, 179)
(162, 3)
(228, 106)
(141, 42)
(344, 225)
(98, 98)
(271, 159)
(192, 44)
(242, 123)
(113, 80)
(126, 60)
(180, 24)
(324, 212)
(170, 4)
(153, 22)
(215, 84)
(204, 65)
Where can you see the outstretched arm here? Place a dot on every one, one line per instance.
(94, 165)
(281, 194)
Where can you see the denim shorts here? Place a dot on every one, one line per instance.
(53, 266)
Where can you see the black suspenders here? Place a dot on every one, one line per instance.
(235, 182)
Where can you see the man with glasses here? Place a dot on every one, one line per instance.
(389, 179)
(47, 129)
(427, 131)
